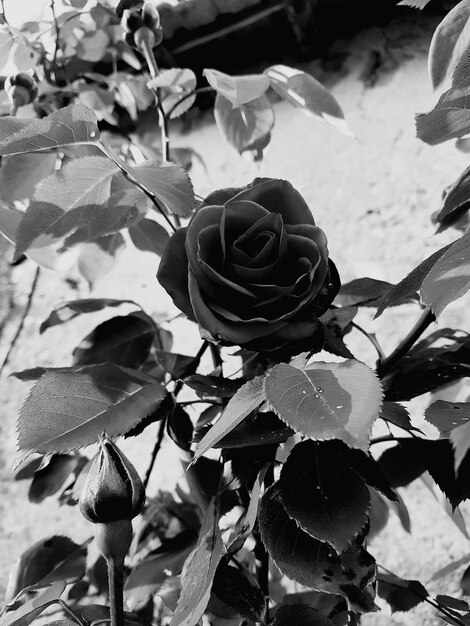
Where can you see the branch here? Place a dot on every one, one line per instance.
(427, 317)
(27, 308)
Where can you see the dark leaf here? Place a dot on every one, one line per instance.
(21, 173)
(244, 402)
(125, 340)
(408, 287)
(199, 572)
(55, 417)
(149, 236)
(294, 551)
(50, 479)
(203, 479)
(27, 468)
(327, 400)
(180, 428)
(99, 257)
(442, 124)
(365, 292)
(401, 594)
(308, 95)
(446, 416)
(378, 514)
(29, 611)
(213, 386)
(177, 365)
(465, 581)
(247, 463)
(452, 603)
(147, 576)
(323, 495)
(294, 614)
(402, 512)
(455, 202)
(66, 311)
(336, 323)
(400, 466)
(397, 415)
(246, 522)
(240, 591)
(264, 428)
(73, 124)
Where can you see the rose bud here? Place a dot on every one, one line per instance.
(113, 490)
(21, 89)
(131, 21)
(150, 16)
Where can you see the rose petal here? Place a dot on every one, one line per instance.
(278, 196)
(264, 233)
(173, 272)
(291, 338)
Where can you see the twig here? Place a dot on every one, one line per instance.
(155, 451)
(427, 317)
(57, 36)
(372, 339)
(26, 310)
(116, 581)
(135, 181)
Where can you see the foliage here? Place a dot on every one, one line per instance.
(279, 457)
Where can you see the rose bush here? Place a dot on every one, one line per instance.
(252, 268)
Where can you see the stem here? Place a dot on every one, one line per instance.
(57, 35)
(155, 451)
(134, 180)
(71, 613)
(372, 339)
(194, 92)
(116, 589)
(216, 358)
(263, 556)
(27, 308)
(384, 438)
(426, 318)
(352, 618)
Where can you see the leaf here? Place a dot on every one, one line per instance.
(170, 183)
(365, 292)
(21, 173)
(446, 416)
(147, 576)
(323, 495)
(449, 278)
(180, 428)
(29, 611)
(305, 93)
(68, 410)
(247, 126)
(397, 415)
(408, 287)
(401, 594)
(73, 124)
(246, 400)
(291, 614)
(414, 4)
(125, 340)
(213, 386)
(327, 400)
(442, 124)
(452, 603)
(449, 42)
(6, 43)
(93, 46)
(460, 439)
(294, 551)
(464, 581)
(66, 311)
(237, 89)
(48, 480)
(149, 236)
(65, 201)
(455, 202)
(246, 522)
(99, 257)
(177, 83)
(177, 365)
(402, 513)
(9, 220)
(265, 428)
(199, 572)
(239, 589)
(37, 564)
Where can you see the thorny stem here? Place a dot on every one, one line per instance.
(116, 590)
(426, 318)
(130, 176)
(27, 308)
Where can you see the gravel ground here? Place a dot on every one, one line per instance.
(373, 196)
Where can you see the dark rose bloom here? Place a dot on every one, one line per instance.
(252, 269)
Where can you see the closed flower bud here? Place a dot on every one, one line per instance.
(21, 89)
(131, 21)
(144, 38)
(113, 490)
(150, 16)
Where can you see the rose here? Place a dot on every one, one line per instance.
(252, 268)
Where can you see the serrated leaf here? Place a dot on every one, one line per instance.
(65, 201)
(29, 611)
(73, 124)
(449, 278)
(125, 340)
(294, 551)
(149, 236)
(199, 571)
(66, 311)
(247, 126)
(170, 183)
(308, 95)
(452, 603)
(239, 590)
(449, 42)
(99, 257)
(408, 287)
(396, 414)
(245, 400)
(237, 89)
(37, 564)
(147, 576)
(291, 614)
(69, 410)
(401, 594)
(442, 124)
(323, 494)
(327, 400)
(446, 416)
(455, 202)
(177, 83)
(48, 480)
(21, 173)
(364, 292)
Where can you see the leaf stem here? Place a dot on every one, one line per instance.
(134, 180)
(194, 92)
(372, 339)
(71, 613)
(116, 589)
(155, 451)
(426, 318)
